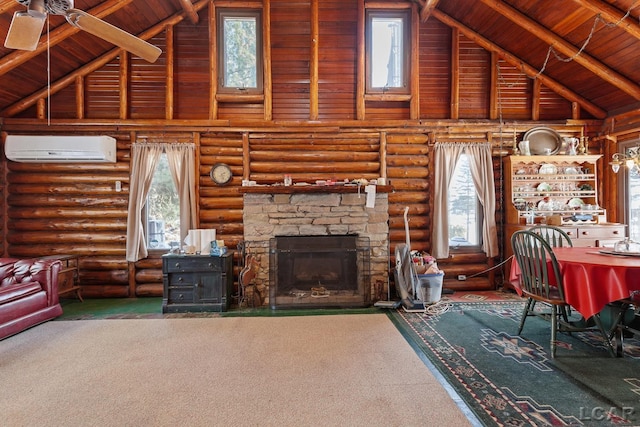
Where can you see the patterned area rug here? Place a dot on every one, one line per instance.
(511, 380)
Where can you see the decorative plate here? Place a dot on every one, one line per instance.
(543, 139)
(544, 187)
(548, 169)
(576, 202)
(571, 171)
(586, 187)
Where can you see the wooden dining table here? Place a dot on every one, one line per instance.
(592, 279)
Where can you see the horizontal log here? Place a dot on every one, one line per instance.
(48, 169)
(407, 172)
(104, 277)
(226, 215)
(151, 262)
(394, 138)
(415, 161)
(338, 167)
(150, 290)
(101, 225)
(62, 248)
(64, 212)
(61, 201)
(222, 204)
(407, 150)
(474, 284)
(286, 149)
(103, 263)
(106, 189)
(453, 270)
(411, 185)
(317, 156)
(60, 179)
(148, 276)
(405, 197)
(67, 237)
(461, 256)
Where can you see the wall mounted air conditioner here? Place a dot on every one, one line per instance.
(63, 149)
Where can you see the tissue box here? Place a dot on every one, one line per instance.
(201, 239)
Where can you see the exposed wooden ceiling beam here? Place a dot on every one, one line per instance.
(566, 48)
(93, 65)
(8, 5)
(426, 6)
(18, 57)
(188, 8)
(613, 15)
(518, 63)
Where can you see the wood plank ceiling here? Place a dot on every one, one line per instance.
(605, 33)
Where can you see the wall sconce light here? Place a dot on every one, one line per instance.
(631, 161)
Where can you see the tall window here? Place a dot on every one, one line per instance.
(162, 210)
(388, 49)
(240, 51)
(631, 191)
(465, 211)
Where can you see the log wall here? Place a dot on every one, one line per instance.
(312, 124)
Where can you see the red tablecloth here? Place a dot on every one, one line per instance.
(591, 279)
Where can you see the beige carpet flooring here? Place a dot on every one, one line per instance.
(329, 370)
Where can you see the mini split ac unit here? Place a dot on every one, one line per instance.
(63, 149)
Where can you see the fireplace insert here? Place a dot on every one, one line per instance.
(319, 271)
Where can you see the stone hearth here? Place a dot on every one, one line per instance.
(271, 211)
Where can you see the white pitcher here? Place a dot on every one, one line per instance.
(524, 147)
(572, 146)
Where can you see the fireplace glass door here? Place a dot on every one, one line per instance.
(319, 271)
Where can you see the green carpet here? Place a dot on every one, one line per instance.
(511, 380)
(151, 308)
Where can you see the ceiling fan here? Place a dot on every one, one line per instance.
(26, 27)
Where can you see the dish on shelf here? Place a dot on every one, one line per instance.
(543, 140)
(571, 171)
(586, 187)
(543, 187)
(576, 202)
(545, 205)
(520, 204)
(548, 169)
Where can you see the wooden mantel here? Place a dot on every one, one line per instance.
(307, 189)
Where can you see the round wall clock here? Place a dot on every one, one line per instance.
(221, 173)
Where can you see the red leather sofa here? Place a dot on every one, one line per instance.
(28, 293)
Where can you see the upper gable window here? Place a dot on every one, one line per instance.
(388, 49)
(240, 51)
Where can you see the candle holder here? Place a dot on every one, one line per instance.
(582, 147)
(515, 150)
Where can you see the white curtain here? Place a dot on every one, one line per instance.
(144, 159)
(182, 162)
(445, 159)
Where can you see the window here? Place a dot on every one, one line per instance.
(162, 210)
(631, 191)
(388, 48)
(239, 51)
(465, 211)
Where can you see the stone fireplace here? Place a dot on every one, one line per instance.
(273, 213)
(319, 271)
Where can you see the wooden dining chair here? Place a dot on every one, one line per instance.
(554, 236)
(540, 279)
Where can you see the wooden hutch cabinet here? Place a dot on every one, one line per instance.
(558, 190)
(197, 282)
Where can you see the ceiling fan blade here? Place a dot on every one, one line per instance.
(24, 31)
(113, 34)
